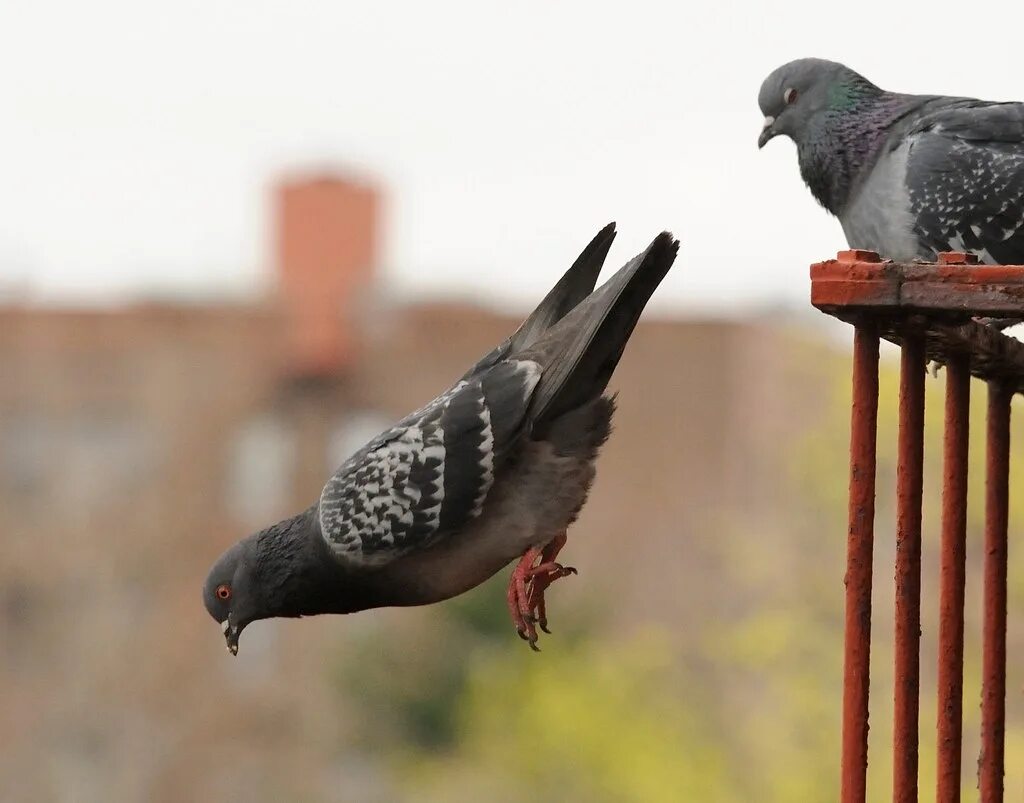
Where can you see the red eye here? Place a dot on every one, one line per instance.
(223, 592)
(789, 96)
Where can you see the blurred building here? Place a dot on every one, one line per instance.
(137, 443)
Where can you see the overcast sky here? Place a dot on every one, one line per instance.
(138, 141)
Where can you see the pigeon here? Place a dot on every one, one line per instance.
(908, 176)
(495, 468)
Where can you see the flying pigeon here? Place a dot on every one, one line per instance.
(907, 175)
(495, 468)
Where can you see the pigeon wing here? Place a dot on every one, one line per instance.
(431, 473)
(965, 178)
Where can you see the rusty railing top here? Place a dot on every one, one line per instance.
(937, 300)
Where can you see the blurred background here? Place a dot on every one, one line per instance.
(237, 240)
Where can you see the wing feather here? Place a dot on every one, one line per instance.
(431, 473)
(965, 177)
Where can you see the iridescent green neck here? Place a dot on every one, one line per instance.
(844, 139)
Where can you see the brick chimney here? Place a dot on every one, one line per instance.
(326, 253)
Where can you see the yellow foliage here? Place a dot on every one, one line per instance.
(581, 725)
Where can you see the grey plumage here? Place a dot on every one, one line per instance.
(496, 465)
(575, 285)
(907, 175)
(430, 473)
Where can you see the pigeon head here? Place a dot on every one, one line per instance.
(796, 93)
(232, 593)
(278, 571)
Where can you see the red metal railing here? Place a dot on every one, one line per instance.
(993, 689)
(928, 310)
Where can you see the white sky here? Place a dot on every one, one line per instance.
(137, 141)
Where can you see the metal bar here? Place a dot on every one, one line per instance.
(859, 550)
(953, 578)
(908, 568)
(993, 689)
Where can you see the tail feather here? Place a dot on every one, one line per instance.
(580, 352)
(575, 285)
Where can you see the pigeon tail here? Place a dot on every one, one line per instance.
(575, 285)
(580, 352)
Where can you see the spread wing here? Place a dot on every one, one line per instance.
(431, 473)
(965, 176)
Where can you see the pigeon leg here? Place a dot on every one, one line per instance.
(527, 584)
(544, 575)
(519, 598)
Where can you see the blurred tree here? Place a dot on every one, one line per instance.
(407, 692)
(582, 724)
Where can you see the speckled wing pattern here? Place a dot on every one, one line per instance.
(431, 473)
(965, 177)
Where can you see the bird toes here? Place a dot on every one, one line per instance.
(529, 634)
(526, 590)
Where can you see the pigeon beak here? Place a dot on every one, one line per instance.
(767, 132)
(230, 636)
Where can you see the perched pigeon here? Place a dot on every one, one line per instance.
(907, 175)
(495, 468)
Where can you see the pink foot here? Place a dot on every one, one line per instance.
(527, 586)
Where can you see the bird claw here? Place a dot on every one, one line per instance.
(550, 571)
(529, 636)
(527, 586)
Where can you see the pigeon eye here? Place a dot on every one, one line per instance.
(223, 592)
(789, 96)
